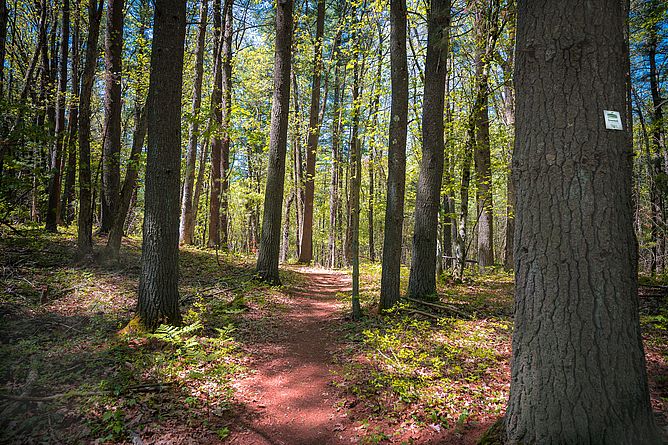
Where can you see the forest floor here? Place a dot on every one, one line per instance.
(254, 364)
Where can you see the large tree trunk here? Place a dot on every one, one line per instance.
(306, 250)
(67, 206)
(578, 368)
(267, 262)
(159, 278)
(217, 119)
(85, 221)
(111, 152)
(52, 212)
(226, 108)
(187, 222)
(422, 280)
(396, 157)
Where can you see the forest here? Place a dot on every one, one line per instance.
(313, 222)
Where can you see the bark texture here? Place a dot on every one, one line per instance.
(226, 110)
(52, 213)
(159, 277)
(187, 222)
(270, 240)
(422, 279)
(128, 189)
(396, 157)
(85, 221)
(68, 208)
(306, 250)
(111, 152)
(216, 121)
(578, 370)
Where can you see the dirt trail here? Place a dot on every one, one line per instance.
(288, 400)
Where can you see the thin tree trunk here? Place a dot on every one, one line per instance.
(159, 278)
(226, 108)
(217, 119)
(111, 152)
(52, 213)
(267, 262)
(85, 221)
(509, 120)
(422, 279)
(578, 368)
(334, 183)
(306, 250)
(4, 20)
(285, 245)
(67, 204)
(658, 140)
(187, 222)
(129, 184)
(355, 183)
(487, 14)
(200, 182)
(298, 164)
(396, 158)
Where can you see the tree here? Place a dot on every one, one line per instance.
(306, 250)
(4, 20)
(68, 209)
(422, 280)
(159, 277)
(85, 219)
(270, 239)
(396, 157)
(216, 122)
(187, 228)
(226, 116)
(111, 152)
(52, 214)
(578, 368)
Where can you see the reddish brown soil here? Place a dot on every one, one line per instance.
(288, 399)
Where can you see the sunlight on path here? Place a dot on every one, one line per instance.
(289, 400)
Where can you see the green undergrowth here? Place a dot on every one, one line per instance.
(448, 372)
(62, 337)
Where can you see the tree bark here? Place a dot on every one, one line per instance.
(111, 152)
(217, 119)
(52, 212)
(396, 178)
(355, 183)
(334, 200)
(159, 278)
(187, 222)
(422, 279)
(4, 20)
(68, 209)
(658, 140)
(306, 250)
(487, 15)
(129, 184)
(85, 221)
(267, 262)
(226, 108)
(578, 368)
(509, 121)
